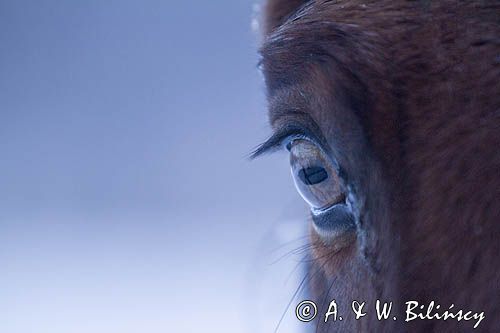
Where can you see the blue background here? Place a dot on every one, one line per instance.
(127, 201)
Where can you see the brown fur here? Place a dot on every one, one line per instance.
(407, 95)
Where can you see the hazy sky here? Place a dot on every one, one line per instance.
(128, 203)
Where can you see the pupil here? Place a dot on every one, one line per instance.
(313, 175)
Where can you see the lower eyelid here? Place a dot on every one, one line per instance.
(341, 199)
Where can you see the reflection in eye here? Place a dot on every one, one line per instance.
(315, 176)
(312, 175)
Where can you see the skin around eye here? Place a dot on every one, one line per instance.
(315, 176)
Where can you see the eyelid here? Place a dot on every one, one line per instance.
(283, 136)
(287, 142)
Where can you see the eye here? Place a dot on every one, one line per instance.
(315, 176)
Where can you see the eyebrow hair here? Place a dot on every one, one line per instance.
(294, 129)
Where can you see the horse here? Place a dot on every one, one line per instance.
(390, 111)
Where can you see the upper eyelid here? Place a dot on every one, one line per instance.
(290, 139)
(283, 136)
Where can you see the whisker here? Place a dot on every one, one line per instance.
(308, 277)
(323, 303)
(288, 243)
(297, 251)
(291, 273)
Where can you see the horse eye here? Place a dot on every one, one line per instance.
(315, 176)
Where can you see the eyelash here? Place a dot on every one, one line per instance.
(281, 138)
